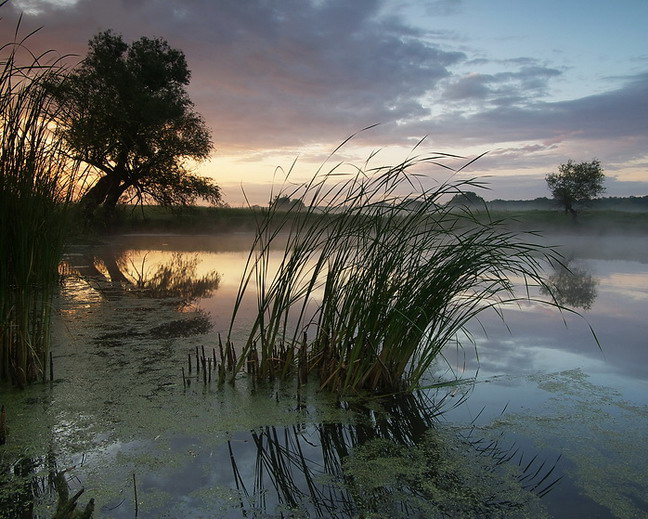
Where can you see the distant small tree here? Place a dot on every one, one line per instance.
(466, 198)
(285, 203)
(576, 183)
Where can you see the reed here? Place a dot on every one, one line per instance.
(378, 273)
(36, 184)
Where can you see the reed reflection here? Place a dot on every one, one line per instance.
(31, 485)
(393, 461)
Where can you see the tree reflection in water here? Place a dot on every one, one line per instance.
(175, 279)
(572, 286)
(395, 461)
(111, 272)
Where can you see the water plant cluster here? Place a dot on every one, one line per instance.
(376, 275)
(36, 184)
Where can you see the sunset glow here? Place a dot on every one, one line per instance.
(534, 84)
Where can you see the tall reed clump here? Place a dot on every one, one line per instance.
(375, 277)
(36, 182)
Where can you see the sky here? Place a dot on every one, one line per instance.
(532, 83)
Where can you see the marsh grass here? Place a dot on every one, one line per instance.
(36, 182)
(376, 276)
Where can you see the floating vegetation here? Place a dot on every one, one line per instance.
(601, 434)
(197, 325)
(393, 461)
(377, 276)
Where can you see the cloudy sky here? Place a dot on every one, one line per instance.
(533, 83)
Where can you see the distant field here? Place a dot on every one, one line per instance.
(192, 219)
(222, 219)
(587, 222)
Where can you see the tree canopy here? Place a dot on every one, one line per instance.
(127, 114)
(576, 183)
(468, 198)
(285, 203)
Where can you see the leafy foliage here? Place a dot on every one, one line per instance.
(285, 203)
(576, 183)
(467, 198)
(126, 112)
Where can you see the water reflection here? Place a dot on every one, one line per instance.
(176, 278)
(572, 286)
(114, 272)
(375, 464)
(393, 461)
(31, 486)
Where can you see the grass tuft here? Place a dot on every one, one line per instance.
(375, 276)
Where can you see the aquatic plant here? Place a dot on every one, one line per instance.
(33, 483)
(394, 460)
(36, 185)
(376, 275)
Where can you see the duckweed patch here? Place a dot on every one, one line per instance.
(119, 407)
(118, 401)
(602, 434)
(197, 325)
(441, 476)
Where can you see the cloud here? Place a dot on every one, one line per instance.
(443, 7)
(616, 114)
(276, 77)
(503, 88)
(268, 74)
(275, 74)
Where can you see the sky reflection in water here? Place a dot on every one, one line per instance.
(538, 339)
(552, 379)
(547, 366)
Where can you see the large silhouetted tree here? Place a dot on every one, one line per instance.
(576, 183)
(126, 113)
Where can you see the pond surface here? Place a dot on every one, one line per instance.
(554, 424)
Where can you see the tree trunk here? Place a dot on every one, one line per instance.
(95, 196)
(115, 191)
(104, 194)
(569, 209)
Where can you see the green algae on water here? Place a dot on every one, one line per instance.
(442, 476)
(602, 434)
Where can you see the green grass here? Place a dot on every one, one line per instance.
(376, 277)
(588, 222)
(196, 219)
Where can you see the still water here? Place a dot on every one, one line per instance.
(553, 425)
